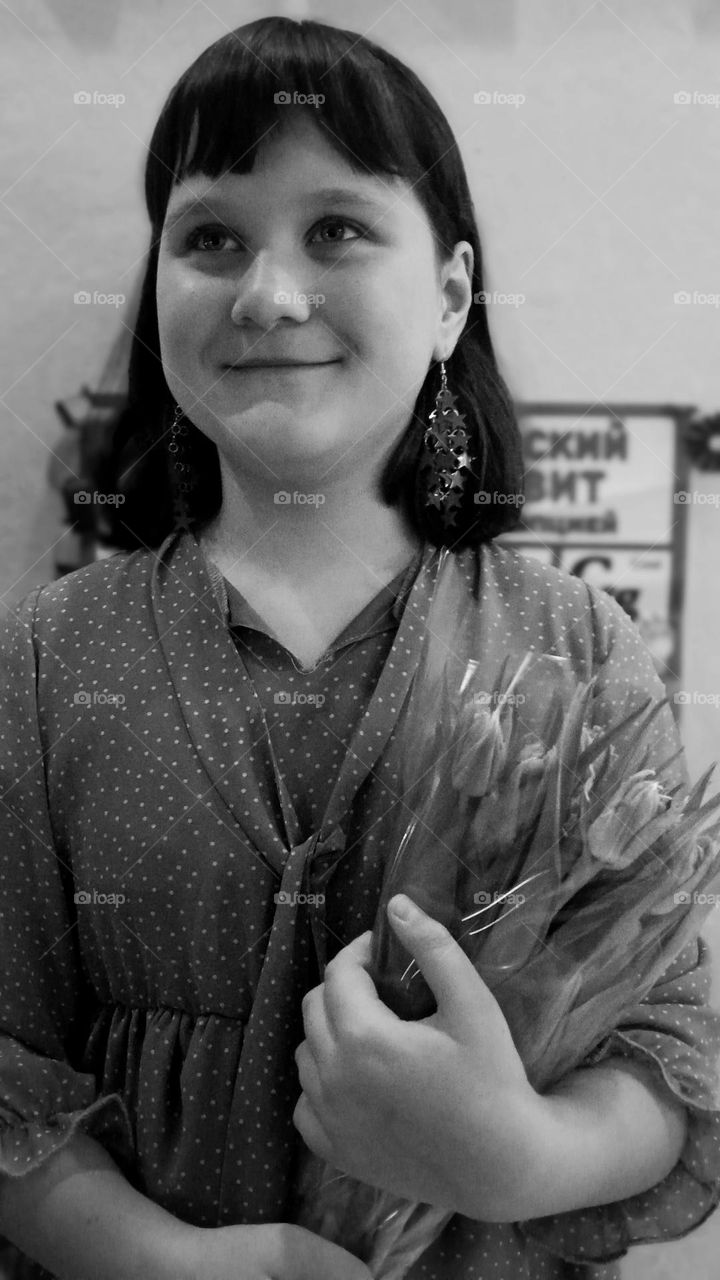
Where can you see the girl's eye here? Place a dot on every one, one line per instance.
(200, 234)
(199, 237)
(338, 222)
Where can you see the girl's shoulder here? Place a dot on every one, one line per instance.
(106, 590)
(518, 570)
(530, 604)
(552, 598)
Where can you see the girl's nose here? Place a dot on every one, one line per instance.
(268, 292)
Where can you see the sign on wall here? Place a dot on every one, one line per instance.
(605, 499)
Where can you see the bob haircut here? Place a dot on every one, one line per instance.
(380, 119)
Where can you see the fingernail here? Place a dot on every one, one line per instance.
(401, 906)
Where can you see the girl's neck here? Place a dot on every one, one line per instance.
(337, 535)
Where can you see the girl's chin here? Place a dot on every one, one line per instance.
(262, 409)
(276, 439)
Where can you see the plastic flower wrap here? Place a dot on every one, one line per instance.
(568, 872)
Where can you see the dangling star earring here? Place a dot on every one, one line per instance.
(181, 482)
(445, 455)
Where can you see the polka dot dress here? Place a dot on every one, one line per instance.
(192, 825)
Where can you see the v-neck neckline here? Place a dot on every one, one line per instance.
(192, 630)
(381, 613)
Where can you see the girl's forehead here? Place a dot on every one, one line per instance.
(307, 174)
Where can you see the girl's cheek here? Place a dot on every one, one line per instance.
(181, 307)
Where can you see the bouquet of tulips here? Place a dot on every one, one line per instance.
(563, 865)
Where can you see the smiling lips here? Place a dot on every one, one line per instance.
(280, 364)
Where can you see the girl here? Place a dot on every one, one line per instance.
(199, 767)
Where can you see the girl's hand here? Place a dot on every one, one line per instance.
(273, 1251)
(439, 1110)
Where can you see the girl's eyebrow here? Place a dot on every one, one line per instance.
(336, 195)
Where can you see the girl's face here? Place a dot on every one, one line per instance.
(327, 282)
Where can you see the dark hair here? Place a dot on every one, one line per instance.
(381, 119)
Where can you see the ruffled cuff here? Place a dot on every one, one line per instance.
(45, 1103)
(678, 1204)
(26, 1144)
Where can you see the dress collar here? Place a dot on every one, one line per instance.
(382, 613)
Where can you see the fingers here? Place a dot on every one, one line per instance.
(310, 1129)
(309, 1076)
(317, 1029)
(318, 1259)
(462, 997)
(351, 998)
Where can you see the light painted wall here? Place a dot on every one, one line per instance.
(597, 199)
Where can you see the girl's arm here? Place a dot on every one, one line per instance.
(79, 1217)
(608, 1132)
(82, 1220)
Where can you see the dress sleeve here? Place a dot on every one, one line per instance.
(674, 1032)
(45, 998)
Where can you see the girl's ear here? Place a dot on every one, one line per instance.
(456, 276)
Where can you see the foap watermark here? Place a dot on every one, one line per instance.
(84, 497)
(497, 98)
(284, 499)
(684, 98)
(285, 899)
(85, 897)
(484, 498)
(498, 299)
(96, 299)
(684, 298)
(85, 699)
(83, 98)
(483, 698)
(484, 898)
(287, 99)
(313, 299)
(696, 497)
(294, 699)
(697, 897)
(695, 697)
